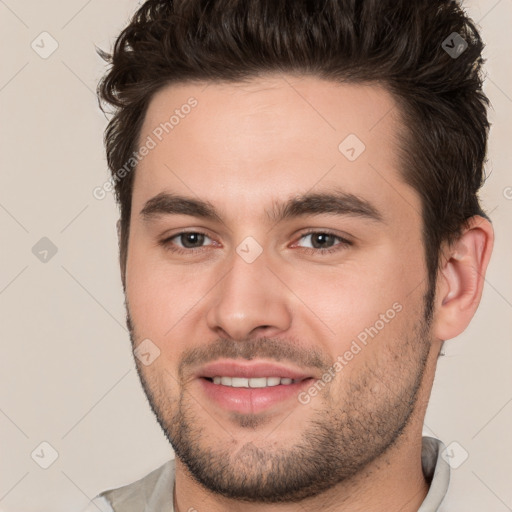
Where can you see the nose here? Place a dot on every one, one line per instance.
(249, 301)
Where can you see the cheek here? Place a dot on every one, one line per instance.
(338, 302)
(161, 296)
(345, 300)
(148, 295)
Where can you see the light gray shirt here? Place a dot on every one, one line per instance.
(154, 492)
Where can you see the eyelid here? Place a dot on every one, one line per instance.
(326, 231)
(168, 244)
(344, 239)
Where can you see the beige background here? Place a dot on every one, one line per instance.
(67, 376)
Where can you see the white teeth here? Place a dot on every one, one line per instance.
(260, 382)
(239, 382)
(255, 382)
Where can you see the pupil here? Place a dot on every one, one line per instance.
(319, 240)
(191, 240)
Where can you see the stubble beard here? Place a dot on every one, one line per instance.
(336, 443)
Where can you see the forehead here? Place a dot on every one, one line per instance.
(270, 138)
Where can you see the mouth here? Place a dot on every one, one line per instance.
(252, 387)
(254, 382)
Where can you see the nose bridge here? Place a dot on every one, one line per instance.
(249, 296)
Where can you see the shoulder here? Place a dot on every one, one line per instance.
(152, 492)
(98, 504)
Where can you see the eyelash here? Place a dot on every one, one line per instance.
(343, 243)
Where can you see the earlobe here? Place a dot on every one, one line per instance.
(461, 278)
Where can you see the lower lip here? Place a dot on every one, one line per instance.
(252, 400)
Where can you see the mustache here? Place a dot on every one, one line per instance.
(265, 347)
(290, 350)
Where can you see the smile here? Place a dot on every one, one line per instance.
(255, 382)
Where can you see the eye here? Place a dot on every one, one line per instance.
(187, 241)
(322, 242)
(313, 242)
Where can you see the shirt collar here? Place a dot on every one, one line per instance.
(436, 471)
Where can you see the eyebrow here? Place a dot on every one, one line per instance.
(334, 202)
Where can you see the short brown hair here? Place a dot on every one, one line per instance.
(403, 45)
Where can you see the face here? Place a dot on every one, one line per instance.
(275, 282)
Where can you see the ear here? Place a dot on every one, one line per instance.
(460, 278)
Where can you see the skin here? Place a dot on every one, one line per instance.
(243, 148)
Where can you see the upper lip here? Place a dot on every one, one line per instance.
(250, 369)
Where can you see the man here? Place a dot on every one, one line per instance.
(300, 231)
